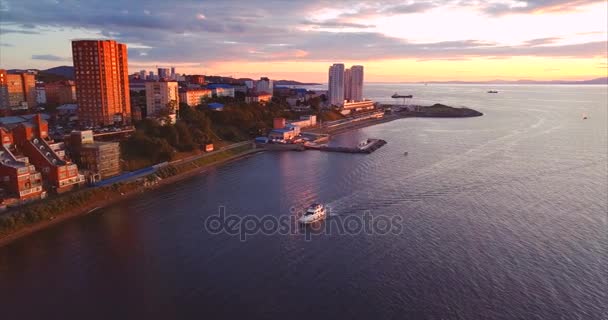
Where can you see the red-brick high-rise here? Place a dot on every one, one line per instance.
(102, 82)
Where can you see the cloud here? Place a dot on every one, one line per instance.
(49, 57)
(272, 30)
(4, 30)
(536, 6)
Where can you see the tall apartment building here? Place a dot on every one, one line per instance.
(356, 83)
(159, 95)
(264, 85)
(17, 91)
(102, 81)
(3, 89)
(164, 73)
(347, 84)
(336, 84)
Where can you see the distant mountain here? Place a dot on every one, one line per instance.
(62, 71)
(294, 83)
(603, 80)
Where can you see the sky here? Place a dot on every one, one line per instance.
(396, 41)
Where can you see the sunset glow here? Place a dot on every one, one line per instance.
(395, 40)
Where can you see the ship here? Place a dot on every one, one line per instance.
(314, 213)
(396, 95)
(492, 91)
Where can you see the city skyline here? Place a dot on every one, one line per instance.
(396, 41)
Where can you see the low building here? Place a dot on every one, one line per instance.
(18, 178)
(278, 123)
(258, 98)
(222, 90)
(350, 106)
(33, 140)
(305, 121)
(99, 160)
(288, 133)
(194, 97)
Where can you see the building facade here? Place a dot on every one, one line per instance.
(159, 95)
(17, 91)
(102, 81)
(356, 83)
(264, 85)
(336, 84)
(60, 92)
(194, 97)
(99, 160)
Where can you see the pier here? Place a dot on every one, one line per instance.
(369, 146)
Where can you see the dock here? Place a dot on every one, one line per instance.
(369, 146)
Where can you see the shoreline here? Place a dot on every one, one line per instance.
(101, 204)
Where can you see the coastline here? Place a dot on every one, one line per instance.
(100, 204)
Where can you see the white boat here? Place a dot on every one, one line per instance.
(315, 212)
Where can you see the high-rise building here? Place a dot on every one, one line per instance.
(102, 81)
(142, 74)
(347, 84)
(163, 73)
(159, 96)
(173, 75)
(18, 90)
(336, 84)
(3, 89)
(356, 83)
(264, 85)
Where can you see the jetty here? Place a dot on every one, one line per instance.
(368, 146)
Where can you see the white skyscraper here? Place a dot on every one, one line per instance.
(336, 84)
(356, 83)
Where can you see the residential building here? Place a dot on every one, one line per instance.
(159, 96)
(47, 156)
(40, 93)
(60, 92)
(278, 123)
(347, 84)
(336, 84)
(18, 178)
(264, 85)
(259, 98)
(3, 89)
(102, 81)
(100, 160)
(222, 90)
(173, 74)
(164, 73)
(196, 79)
(194, 97)
(356, 84)
(18, 90)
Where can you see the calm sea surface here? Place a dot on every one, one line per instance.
(503, 217)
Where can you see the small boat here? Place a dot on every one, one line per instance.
(314, 213)
(405, 153)
(396, 95)
(585, 117)
(492, 91)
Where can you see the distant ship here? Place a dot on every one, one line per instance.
(315, 212)
(396, 95)
(492, 91)
(585, 116)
